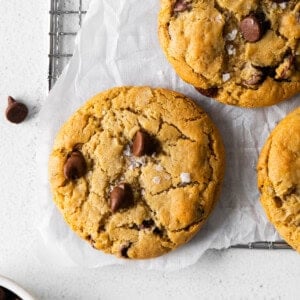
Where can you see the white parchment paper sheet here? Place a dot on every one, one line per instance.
(118, 45)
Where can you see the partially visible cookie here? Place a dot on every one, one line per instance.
(136, 171)
(244, 53)
(279, 178)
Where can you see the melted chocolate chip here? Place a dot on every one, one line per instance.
(143, 144)
(181, 6)
(120, 197)
(252, 28)
(211, 92)
(147, 224)
(286, 67)
(157, 231)
(278, 202)
(75, 166)
(124, 250)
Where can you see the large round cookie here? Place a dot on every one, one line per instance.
(279, 178)
(136, 171)
(243, 52)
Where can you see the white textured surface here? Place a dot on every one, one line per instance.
(227, 274)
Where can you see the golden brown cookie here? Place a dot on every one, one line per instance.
(136, 171)
(244, 53)
(279, 178)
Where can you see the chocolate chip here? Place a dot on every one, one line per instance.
(124, 250)
(147, 224)
(120, 197)
(16, 112)
(3, 294)
(277, 201)
(280, 1)
(75, 166)
(297, 62)
(251, 28)
(283, 72)
(157, 231)
(255, 77)
(253, 80)
(211, 92)
(180, 6)
(143, 144)
(6, 294)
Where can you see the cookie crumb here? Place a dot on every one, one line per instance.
(156, 180)
(185, 177)
(225, 77)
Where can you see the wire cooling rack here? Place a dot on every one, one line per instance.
(66, 17)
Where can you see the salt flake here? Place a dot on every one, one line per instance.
(185, 177)
(225, 77)
(156, 180)
(231, 35)
(282, 5)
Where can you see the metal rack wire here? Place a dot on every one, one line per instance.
(65, 20)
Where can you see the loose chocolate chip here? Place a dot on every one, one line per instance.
(75, 166)
(124, 250)
(280, 1)
(16, 112)
(120, 197)
(143, 144)
(251, 28)
(147, 224)
(5, 294)
(211, 92)
(180, 6)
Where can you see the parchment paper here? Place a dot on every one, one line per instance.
(118, 45)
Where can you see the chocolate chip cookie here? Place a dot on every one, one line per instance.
(244, 53)
(136, 171)
(279, 178)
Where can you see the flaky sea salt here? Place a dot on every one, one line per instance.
(141, 161)
(230, 36)
(231, 50)
(282, 5)
(156, 180)
(159, 168)
(218, 18)
(185, 177)
(167, 176)
(127, 151)
(225, 77)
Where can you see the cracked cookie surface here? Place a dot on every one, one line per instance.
(173, 189)
(246, 52)
(279, 178)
